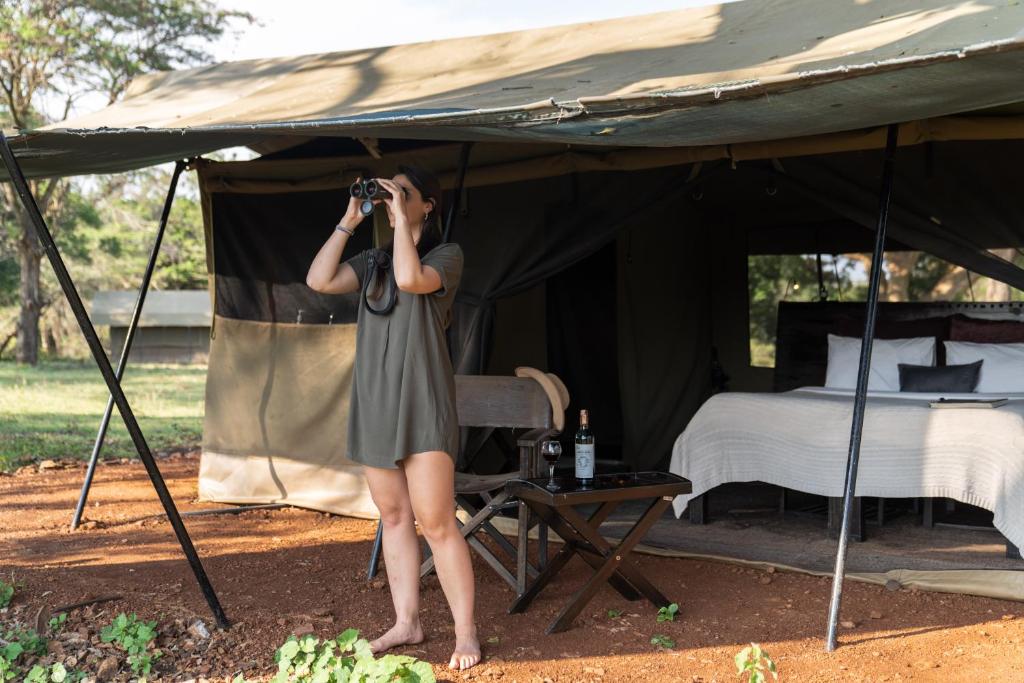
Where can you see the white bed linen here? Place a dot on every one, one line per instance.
(800, 439)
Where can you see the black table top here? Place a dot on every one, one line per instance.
(606, 487)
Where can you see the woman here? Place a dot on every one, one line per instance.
(402, 422)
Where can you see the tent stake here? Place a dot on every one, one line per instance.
(126, 349)
(459, 182)
(860, 396)
(100, 356)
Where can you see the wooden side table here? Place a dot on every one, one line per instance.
(582, 538)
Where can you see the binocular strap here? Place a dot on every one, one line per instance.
(380, 291)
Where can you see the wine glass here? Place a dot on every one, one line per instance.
(551, 450)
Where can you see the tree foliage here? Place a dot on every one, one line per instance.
(69, 48)
(54, 53)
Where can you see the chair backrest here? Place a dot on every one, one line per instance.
(501, 401)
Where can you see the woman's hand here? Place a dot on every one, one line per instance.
(397, 201)
(353, 216)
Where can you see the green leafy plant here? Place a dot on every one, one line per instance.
(6, 593)
(662, 641)
(23, 640)
(57, 622)
(134, 637)
(614, 613)
(18, 642)
(7, 670)
(668, 613)
(345, 659)
(752, 661)
(55, 674)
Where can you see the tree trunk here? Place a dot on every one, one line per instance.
(30, 255)
(899, 266)
(996, 290)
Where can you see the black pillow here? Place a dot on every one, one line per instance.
(962, 379)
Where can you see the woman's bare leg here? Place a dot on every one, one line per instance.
(401, 555)
(433, 502)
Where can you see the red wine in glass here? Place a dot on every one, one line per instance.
(551, 450)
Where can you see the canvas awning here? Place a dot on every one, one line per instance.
(720, 75)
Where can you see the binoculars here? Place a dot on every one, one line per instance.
(367, 191)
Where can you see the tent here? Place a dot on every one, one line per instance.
(616, 169)
(174, 328)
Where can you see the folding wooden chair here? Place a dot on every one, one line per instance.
(533, 401)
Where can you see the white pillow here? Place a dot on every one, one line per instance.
(886, 355)
(1002, 370)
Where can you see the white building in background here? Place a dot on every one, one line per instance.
(174, 327)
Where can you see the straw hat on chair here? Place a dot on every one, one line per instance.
(555, 389)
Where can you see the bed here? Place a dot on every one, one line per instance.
(798, 437)
(799, 440)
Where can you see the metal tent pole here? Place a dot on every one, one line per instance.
(378, 543)
(127, 347)
(460, 180)
(860, 396)
(75, 301)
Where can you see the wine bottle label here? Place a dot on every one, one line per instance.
(584, 461)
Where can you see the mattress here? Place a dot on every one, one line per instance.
(800, 440)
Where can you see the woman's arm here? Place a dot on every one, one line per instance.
(326, 274)
(410, 273)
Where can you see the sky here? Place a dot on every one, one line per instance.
(294, 27)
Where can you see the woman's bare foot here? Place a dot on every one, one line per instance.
(400, 634)
(467, 652)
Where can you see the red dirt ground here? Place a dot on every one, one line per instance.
(285, 570)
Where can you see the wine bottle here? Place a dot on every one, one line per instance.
(584, 451)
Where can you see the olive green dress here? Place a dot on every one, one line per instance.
(403, 385)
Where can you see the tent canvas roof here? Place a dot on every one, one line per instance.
(717, 75)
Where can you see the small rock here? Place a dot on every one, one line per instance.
(892, 585)
(107, 669)
(304, 628)
(770, 570)
(765, 580)
(48, 465)
(282, 621)
(377, 584)
(198, 630)
(875, 614)
(848, 624)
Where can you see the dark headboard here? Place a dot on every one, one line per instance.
(801, 337)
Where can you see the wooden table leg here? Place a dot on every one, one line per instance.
(613, 561)
(555, 565)
(587, 552)
(627, 570)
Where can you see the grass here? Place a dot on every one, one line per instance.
(53, 410)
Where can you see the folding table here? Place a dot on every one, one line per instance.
(558, 509)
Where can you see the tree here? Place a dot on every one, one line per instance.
(58, 51)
